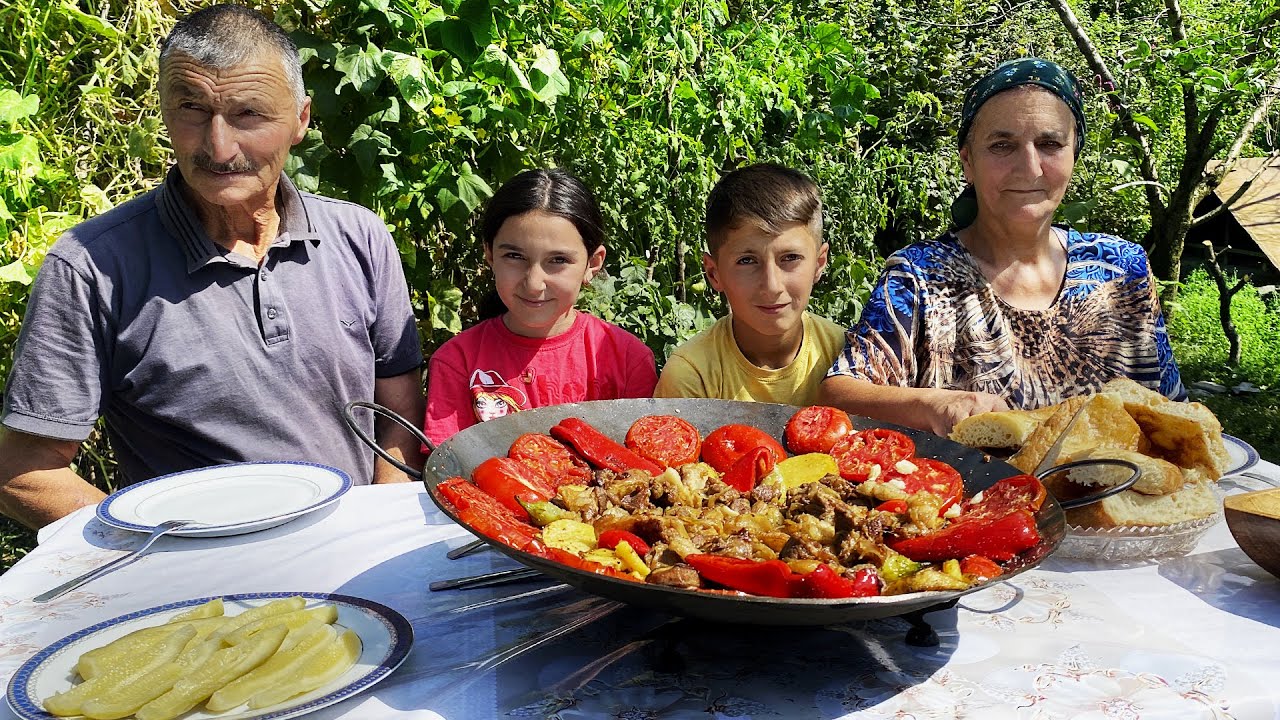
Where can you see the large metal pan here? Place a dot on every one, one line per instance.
(461, 453)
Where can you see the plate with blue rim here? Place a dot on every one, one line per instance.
(227, 499)
(385, 640)
(1242, 454)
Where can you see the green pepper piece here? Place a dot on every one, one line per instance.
(896, 566)
(543, 513)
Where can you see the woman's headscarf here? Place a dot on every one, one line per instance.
(1014, 73)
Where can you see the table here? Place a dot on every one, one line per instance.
(1187, 637)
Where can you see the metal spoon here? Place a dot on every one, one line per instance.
(162, 529)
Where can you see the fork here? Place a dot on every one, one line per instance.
(160, 530)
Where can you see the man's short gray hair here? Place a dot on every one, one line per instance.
(224, 36)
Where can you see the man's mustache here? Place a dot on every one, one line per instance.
(240, 164)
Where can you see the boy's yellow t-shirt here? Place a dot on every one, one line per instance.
(710, 365)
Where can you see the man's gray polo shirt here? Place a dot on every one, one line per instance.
(198, 356)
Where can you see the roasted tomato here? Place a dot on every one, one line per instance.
(1020, 492)
(859, 451)
(817, 428)
(550, 458)
(505, 480)
(665, 439)
(727, 443)
(934, 476)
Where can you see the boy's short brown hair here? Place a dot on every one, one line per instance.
(767, 195)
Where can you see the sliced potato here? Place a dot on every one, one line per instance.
(572, 535)
(631, 560)
(802, 469)
(334, 659)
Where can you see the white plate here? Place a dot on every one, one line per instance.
(1243, 456)
(385, 637)
(225, 499)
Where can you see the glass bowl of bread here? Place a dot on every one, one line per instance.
(1177, 447)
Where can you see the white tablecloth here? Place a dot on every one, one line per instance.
(1186, 637)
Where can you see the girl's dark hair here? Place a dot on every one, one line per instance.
(553, 191)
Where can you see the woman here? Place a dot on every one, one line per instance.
(1007, 309)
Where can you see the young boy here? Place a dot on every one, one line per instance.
(764, 252)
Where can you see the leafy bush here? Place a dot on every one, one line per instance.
(1200, 346)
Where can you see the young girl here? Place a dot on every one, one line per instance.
(544, 241)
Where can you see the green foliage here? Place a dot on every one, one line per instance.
(1200, 346)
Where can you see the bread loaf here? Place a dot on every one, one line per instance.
(1102, 422)
(1131, 509)
(1158, 476)
(1186, 434)
(1002, 429)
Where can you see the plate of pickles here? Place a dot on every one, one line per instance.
(234, 657)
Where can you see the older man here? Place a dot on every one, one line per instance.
(225, 316)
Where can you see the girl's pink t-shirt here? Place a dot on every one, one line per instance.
(488, 371)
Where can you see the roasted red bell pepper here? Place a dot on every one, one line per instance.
(483, 513)
(980, 567)
(507, 480)
(898, 507)
(996, 538)
(610, 539)
(823, 582)
(771, 578)
(599, 449)
(749, 469)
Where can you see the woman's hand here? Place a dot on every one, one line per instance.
(942, 409)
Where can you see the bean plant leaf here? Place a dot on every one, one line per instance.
(92, 23)
(410, 75)
(19, 153)
(472, 189)
(4, 211)
(15, 272)
(496, 61)
(360, 68)
(15, 106)
(548, 81)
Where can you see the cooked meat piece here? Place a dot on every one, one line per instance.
(680, 575)
(741, 505)
(629, 490)
(800, 548)
(736, 545)
(586, 501)
(814, 499)
(856, 548)
(668, 489)
(648, 528)
(764, 492)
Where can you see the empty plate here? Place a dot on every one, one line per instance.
(226, 499)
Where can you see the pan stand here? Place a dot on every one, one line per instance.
(921, 633)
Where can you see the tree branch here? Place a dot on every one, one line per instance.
(1192, 133)
(1264, 106)
(1146, 161)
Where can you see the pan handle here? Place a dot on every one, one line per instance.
(1092, 498)
(348, 416)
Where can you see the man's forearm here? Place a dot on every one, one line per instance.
(402, 395)
(39, 497)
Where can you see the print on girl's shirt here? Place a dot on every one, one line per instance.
(493, 397)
